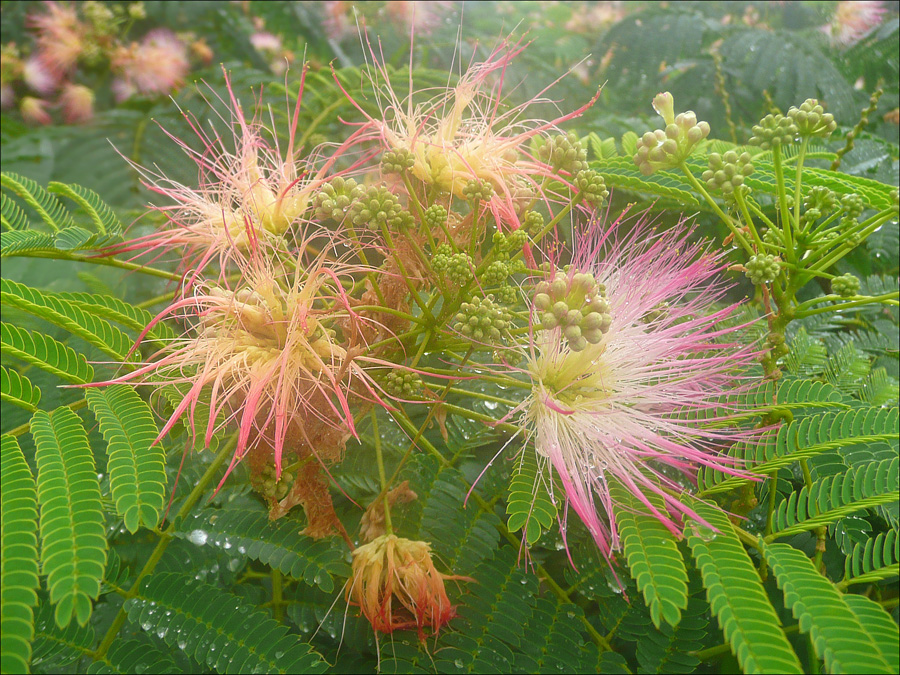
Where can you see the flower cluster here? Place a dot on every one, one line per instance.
(75, 45)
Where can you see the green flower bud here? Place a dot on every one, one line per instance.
(483, 319)
(533, 223)
(459, 268)
(435, 216)
(812, 120)
(564, 153)
(377, 207)
(763, 269)
(727, 172)
(397, 161)
(668, 149)
(852, 205)
(774, 130)
(401, 383)
(592, 186)
(333, 200)
(496, 273)
(478, 190)
(846, 286)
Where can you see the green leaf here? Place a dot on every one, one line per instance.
(621, 172)
(56, 648)
(18, 547)
(12, 215)
(217, 628)
(18, 390)
(17, 242)
(529, 503)
(73, 545)
(834, 497)
(836, 633)
(65, 314)
(101, 214)
(652, 554)
(737, 597)
(135, 656)
(48, 207)
(876, 553)
(277, 544)
(880, 627)
(45, 353)
(114, 309)
(136, 467)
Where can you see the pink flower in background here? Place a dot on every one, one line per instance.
(421, 17)
(155, 66)
(625, 346)
(266, 43)
(7, 96)
(60, 37)
(338, 23)
(852, 21)
(38, 77)
(34, 110)
(77, 103)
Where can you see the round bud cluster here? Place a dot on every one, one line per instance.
(334, 199)
(376, 207)
(666, 149)
(576, 305)
(812, 120)
(507, 295)
(495, 274)
(763, 269)
(774, 130)
(510, 243)
(482, 319)
(817, 202)
(564, 153)
(772, 236)
(533, 223)
(592, 186)
(895, 196)
(478, 190)
(403, 384)
(276, 489)
(727, 172)
(457, 267)
(852, 205)
(435, 216)
(397, 161)
(845, 286)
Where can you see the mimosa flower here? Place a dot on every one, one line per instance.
(34, 110)
(248, 190)
(77, 103)
(852, 21)
(625, 346)
(155, 66)
(60, 37)
(38, 77)
(421, 17)
(464, 133)
(396, 586)
(265, 356)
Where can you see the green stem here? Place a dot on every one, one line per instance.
(861, 232)
(165, 538)
(106, 262)
(797, 185)
(887, 299)
(388, 526)
(725, 218)
(786, 225)
(389, 240)
(739, 198)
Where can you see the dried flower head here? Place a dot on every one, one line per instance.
(612, 402)
(396, 586)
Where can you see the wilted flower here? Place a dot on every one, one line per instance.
(34, 110)
(396, 586)
(616, 405)
(60, 37)
(155, 66)
(852, 21)
(77, 103)
(461, 134)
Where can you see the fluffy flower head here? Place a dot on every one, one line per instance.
(60, 37)
(77, 103)
(852, 21)
(156, 65)
(612, 407)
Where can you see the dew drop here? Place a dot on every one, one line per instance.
(198, 537)
(278, 655)
(146, 625)
(458, 663)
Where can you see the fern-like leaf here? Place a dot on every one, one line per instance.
(12, 215)
(55, 648)
(529, 504)
(73, 545)
(737, 598)
(876, 553)
(652, 554)
(279, 544)
(45, 353)
(833, 497)
(18, 547)
(217, 628)
(48, 207)
(18, 390)
(103, 217)
(113, 309)
(880, 626)
(19, 242)
(136, 467)
(65, 314)
(836, 633)
(134, 656)
(621, 172)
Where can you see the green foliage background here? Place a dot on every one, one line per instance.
(230, 591)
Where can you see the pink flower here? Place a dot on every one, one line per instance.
(337, 23)
(420, 17)
(461, 133)
(852, 21)
(624, 346)
(263, 354)
(60, 37)
(77, 102)
(155, 66)
(34, 110)
(266, 43)
(38, 77)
